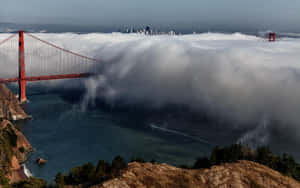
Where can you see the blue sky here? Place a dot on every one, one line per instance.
(277, 14)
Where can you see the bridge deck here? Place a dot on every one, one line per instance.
(50, 77)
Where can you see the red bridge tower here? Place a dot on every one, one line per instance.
(272, 37)
(22, 80)
(83, 64)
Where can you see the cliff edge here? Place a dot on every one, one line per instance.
(242, 174)
(13, 150)
(9, 105)
(13, 145)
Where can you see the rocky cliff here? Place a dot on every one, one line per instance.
(13, 144)
(13, 149)
(9, 105)
(243, 174)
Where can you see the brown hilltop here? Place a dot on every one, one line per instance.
(243, 174)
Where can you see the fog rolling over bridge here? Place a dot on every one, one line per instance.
(64, 64)
(237, 77)
(245, 85)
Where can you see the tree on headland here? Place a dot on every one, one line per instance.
(59, 180)
(88, 173)
(31, 183)
(262, 155)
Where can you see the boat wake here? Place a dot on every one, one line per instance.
(153, 126)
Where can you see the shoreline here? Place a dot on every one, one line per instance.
(26, 171)
(12, 112)
(19, 174)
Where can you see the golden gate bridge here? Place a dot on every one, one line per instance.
(25, 58)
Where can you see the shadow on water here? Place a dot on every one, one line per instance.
(198, 126)
(68, 135)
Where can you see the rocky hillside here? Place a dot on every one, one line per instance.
(13, 144)
(13, 149)
(9, 105)
(243, 174)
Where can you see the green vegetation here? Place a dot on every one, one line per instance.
(285, 164)
(141, 160)
(4, 181)
(138, 160)
(31, 183)
(10, 136)
(7, 142)
(89, 174)
(22, 149)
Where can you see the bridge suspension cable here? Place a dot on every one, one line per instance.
(30, 58)
(45, 58)
(8, 38)
(65, 50)
(9, 57)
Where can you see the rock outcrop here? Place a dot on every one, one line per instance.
(13, 145)
(243, 174)
(22, 146)
(9, 105)
(41, 161)
(13, 150)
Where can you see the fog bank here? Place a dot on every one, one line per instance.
(236, 77)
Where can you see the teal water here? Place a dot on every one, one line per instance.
(66, 136)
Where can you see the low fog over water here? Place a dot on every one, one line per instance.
(216, 82)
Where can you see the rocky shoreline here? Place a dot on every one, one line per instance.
(17, 146)
(10, 108)
(18, 151)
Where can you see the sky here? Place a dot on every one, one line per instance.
(235, 14)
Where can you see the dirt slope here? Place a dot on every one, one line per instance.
(243, 174)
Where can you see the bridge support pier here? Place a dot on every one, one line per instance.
(22, 81)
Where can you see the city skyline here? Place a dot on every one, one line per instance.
(213, 14)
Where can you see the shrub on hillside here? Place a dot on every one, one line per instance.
(4, 181)
(263, 155)
(31, 183)
(90, 174)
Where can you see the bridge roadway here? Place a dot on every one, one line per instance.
(51, 77)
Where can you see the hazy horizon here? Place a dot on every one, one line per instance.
(204, 15)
